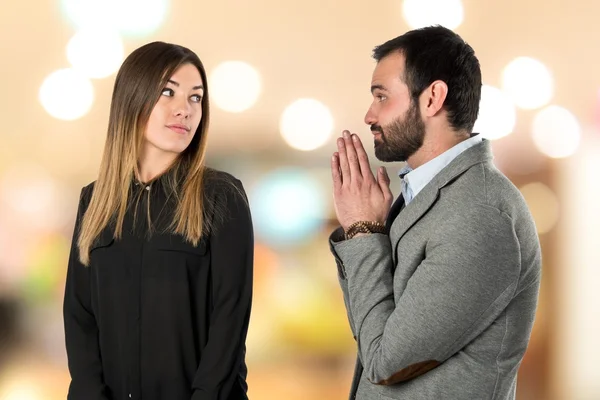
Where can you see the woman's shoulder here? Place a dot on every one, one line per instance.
(221, 183)
(86, 192)
(224, 193)
(224, 196)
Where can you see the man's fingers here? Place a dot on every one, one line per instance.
(336, 174)
(383, 176)
(343, 160)
(352, 156)
(363, 158)
(383, 179)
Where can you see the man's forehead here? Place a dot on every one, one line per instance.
(389, 69)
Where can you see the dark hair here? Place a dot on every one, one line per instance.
(433, 53)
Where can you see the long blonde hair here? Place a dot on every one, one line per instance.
(138, 85)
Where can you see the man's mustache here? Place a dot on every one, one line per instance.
(376, 128)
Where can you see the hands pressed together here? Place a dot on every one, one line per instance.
(357, 194)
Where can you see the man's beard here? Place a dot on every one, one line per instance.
(401, 138)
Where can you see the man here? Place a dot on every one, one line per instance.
(441, 290)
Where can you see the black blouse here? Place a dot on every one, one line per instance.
(154, 317)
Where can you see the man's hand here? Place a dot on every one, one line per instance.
(357, 195)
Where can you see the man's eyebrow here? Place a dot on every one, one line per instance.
(376, 87)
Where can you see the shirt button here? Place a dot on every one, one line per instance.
(129, 395)
(147, 188)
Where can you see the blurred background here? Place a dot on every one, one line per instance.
(286, 77)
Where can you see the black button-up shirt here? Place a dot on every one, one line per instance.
(154, 317)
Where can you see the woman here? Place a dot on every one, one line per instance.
(159, 281)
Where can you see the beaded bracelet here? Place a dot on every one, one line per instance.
(364, 227)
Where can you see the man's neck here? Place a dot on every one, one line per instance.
(435, 145)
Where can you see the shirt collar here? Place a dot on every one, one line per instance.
(419, 177)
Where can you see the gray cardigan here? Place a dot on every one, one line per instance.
(443, 307)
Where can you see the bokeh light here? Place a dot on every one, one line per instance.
(45, 268)
(288, 206)
(528, 82)
(234, 86)
(556, 132)
(306, 124)
(66, 94)
(130, 17)
(32, 377)
(85, 13)
(13, 252)
(266, 263)
(96, 52)
(517, 155)
(497, 114)
(139, 17)
(421, 13)
(35, 198)
(69, 153)
(543, 204)
(311, 318)
(22, 393)
(597, 112)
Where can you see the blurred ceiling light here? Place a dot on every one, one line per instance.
(20, 391)
(130, 17)
(234, 86)
(288, 207)
(421, 13)
(556, 132)
(96, 52)
(497, 114)
(528, 82)
(544, 205)
(66, 94)
(139, 17)
(83, 13)
(306, 124)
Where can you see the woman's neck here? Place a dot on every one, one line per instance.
(153, 163)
